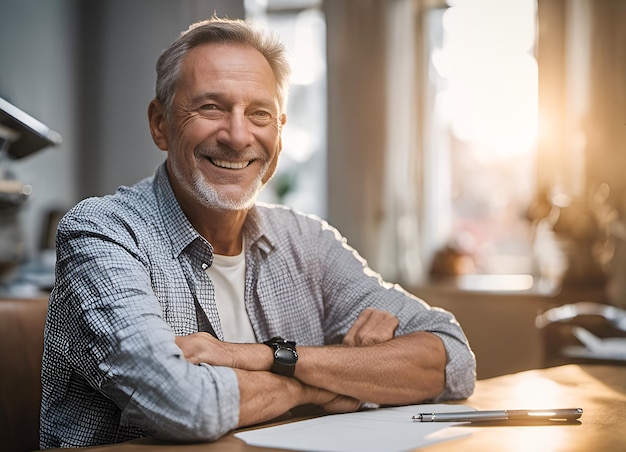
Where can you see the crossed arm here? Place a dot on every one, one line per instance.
(371, 365)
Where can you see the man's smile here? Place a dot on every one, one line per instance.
(228, 164)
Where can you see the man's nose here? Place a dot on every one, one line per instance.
(235, 131)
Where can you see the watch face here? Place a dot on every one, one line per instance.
(286, 356)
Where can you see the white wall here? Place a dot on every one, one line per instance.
(38, 73)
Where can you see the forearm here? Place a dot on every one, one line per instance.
(407, 369)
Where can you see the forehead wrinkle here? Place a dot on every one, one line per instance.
(204, 66)
(207, 96)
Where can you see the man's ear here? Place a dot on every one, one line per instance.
(158, 125)
(282, 120)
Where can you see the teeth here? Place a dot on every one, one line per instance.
(230, 165)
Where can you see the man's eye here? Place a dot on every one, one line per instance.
(211, 111)
(261, 117)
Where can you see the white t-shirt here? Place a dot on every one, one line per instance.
(228, 274)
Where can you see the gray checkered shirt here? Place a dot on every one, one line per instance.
(130, 271)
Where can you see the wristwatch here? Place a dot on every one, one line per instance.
(285, 356)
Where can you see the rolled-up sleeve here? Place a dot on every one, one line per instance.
(350, 286)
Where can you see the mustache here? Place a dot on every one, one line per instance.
(222, 152)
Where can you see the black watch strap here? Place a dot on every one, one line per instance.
(285, 356)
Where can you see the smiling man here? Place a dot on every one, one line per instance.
(184, 309)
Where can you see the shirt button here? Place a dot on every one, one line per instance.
(205, 266)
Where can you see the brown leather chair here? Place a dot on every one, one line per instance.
(21, 346)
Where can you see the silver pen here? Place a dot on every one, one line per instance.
(567, 414)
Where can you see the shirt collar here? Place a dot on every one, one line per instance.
(257, 231)
(180, 231)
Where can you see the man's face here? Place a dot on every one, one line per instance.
(223, 134)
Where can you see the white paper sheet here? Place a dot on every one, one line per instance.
(383, 429)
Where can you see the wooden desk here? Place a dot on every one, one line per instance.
(599, 390)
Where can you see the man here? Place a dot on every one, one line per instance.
(183, 309)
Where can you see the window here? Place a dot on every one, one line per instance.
(483, 123)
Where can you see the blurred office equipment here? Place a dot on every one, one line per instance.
(583, 332)
(21, 136)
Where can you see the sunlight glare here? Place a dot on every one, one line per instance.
(492, 98)
(536, 393)
(306, 59)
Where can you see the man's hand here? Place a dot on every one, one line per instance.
(372, 327)
(203, 348)
(264, 396)
(340, 404)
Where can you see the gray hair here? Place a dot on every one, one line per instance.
(216, 30)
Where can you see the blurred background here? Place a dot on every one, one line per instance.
(473, 151)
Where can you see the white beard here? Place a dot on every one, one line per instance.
(211, 196)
